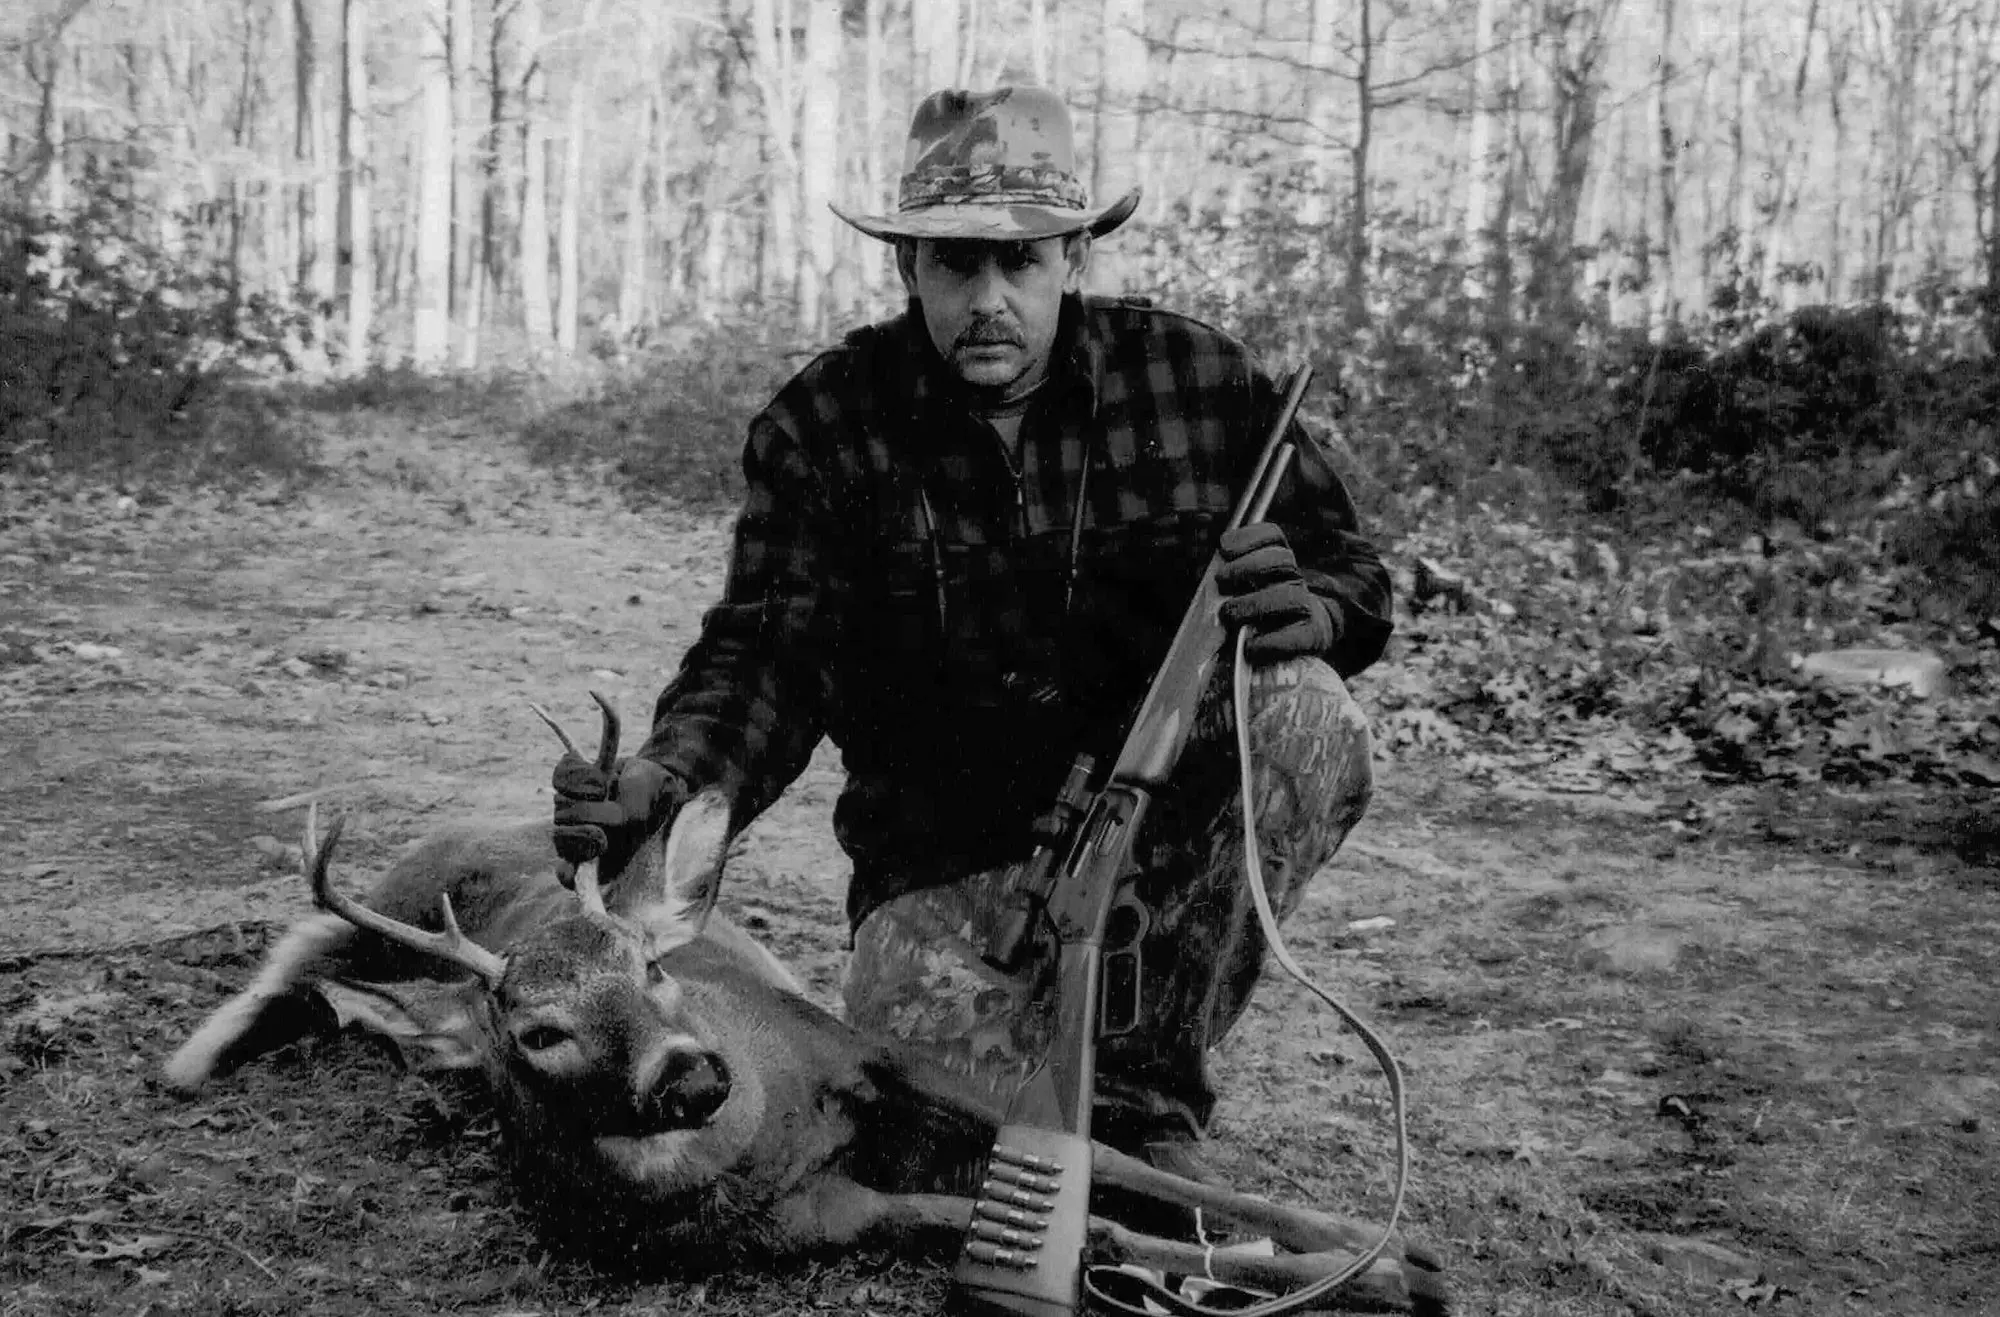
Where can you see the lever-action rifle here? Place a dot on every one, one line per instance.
(1023, 1253)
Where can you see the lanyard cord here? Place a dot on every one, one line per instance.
(1159, 1299)
(935, 540)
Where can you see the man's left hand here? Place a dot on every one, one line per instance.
(1263, 590)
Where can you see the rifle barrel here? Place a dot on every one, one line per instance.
(1246, 510)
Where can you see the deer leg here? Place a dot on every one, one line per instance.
(271, 1012)
(840, 1212)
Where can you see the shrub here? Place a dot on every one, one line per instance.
(118, 358)
(670, 423)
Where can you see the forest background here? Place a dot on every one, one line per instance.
(1663, 329)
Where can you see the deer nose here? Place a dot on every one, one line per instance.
(691, 1087)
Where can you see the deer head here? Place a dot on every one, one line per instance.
(602, 1062)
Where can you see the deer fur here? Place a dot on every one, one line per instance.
(667, 1093)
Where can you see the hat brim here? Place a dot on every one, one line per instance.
(988, 222)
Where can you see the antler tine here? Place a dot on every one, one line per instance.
(451, 945)
(555, 727)
(588, 894)
(607, 742)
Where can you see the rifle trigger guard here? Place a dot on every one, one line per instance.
(1121, 997)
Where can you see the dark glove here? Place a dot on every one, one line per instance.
(606, 816)
(1263, 591)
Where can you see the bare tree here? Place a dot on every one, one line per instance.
(1122, 79)
(430, 337)
(357, 206)
(934, 31)
(316, 205)
(819, 158)
(569, 220)
(1666, 156)
(536, 309)
(465, 187)
(1790, 158)
(638, 214)
(875, 186)
(1039, 63)
(1483, 158)
(1322, 93)
(1897, 34)
(1573, 37)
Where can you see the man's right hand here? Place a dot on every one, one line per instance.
(606, 816)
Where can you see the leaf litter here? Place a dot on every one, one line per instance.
(1832, 831)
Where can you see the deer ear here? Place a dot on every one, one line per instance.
(431, 1027)
(670, 886)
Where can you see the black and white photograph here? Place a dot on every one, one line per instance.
(999, 658)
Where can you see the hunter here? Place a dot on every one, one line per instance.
(968, 536)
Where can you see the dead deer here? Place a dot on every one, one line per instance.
(667, 1093)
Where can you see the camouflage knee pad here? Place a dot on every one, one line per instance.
(917, 974)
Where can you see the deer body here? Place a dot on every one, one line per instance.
(767, 1172)
(666, 1091)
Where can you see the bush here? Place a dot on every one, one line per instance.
(1783, 419)
(670, 422)
(117, 358)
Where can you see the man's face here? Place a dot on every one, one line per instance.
(992, 307)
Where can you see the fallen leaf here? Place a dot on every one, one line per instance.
(128, 1248)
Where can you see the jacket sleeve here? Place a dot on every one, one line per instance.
(1319, 521)
(749, 703)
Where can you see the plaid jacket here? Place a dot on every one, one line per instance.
(900, 584)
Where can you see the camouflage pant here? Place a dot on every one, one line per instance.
(916, 971)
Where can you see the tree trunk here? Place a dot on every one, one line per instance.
(1315, 208)
(430, 334)
(1838, 64)
(1482, 156)
(1038, 41)
(44, 60)
(316, 206)
(934, 33)
(777, 83)
(878, 271)
(1122, 78)
(1599, 263)
(492, 261)
(1356, 287)
(535, 307)
(1576, 39)
(1992, 299)
(1500, 260)
(1742, 197)
(1666, 157)
(632, 272)
(1791, 169)
(465, 187)
(819, 158)
(358, 255)
(569, 224)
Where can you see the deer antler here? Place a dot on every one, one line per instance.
(584, 877)
(607, 741)
(450, 945)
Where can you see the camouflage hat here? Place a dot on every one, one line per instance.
(998, 165)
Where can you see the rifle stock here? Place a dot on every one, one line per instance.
(1023, 1251)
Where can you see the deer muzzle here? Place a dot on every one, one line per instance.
(687, 1086)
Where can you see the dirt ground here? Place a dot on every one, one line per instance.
(1662, 1060)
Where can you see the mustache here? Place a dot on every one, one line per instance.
(988, 333)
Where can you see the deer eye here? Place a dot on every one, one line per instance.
(654, 974)
(541, 1037)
